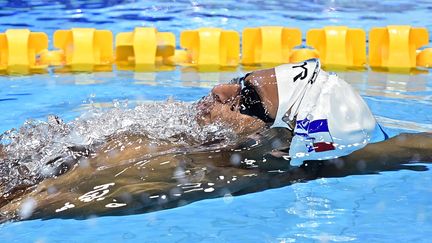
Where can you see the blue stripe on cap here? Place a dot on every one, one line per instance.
(318, 126)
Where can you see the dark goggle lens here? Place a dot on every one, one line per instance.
(250, 104)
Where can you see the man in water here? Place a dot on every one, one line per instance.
(327, 119)
(295, 123)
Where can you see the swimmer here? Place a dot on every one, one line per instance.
(327, 119)
(311, 132)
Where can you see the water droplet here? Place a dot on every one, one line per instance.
(27, 207)
(228, 198)
(235, 159)
(210, 189)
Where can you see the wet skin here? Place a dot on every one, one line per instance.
(146, 182)
(132, 174)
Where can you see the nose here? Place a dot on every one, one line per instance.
(225, 92)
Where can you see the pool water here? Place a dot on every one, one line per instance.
(393, 206)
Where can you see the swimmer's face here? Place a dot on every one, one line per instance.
(241, 108)
(222, 105)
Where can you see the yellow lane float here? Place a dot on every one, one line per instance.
(19, 50)
(269, 44)
(302, 54)
(339, 45)
(211, 47)
(396, 46)
(83, 48)
(89, 49)
(424, 58)
(144, 47)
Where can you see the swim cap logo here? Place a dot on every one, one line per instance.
(311, 130)
(303, 74)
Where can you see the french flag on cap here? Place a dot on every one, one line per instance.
(317, 133)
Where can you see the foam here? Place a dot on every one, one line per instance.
(31, 148)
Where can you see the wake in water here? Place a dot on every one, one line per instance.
(43, 149)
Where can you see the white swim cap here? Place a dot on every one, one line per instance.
(328, 117)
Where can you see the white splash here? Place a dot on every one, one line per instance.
(39, 148)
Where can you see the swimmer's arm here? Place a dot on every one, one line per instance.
(402, 149)
(375, 157)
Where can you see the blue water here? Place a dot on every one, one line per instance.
(387, 207)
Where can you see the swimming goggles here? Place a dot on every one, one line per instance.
(250, 101)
